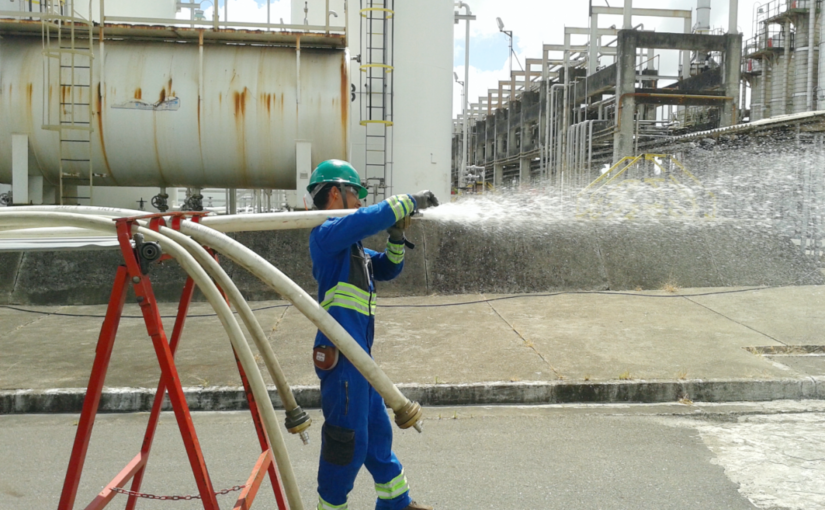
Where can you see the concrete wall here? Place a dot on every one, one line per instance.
(571, 255)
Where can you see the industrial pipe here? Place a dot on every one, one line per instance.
(297, 420)
(221, 308)
(809, 91)
(407, 413)
(227, 223)
(821, 81)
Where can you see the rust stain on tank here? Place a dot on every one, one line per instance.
(65, 94)
(220, 97)
(345, 97)
(100, 127)
(267, 100)
(138, 93)
(162, 95)
(199, 121)
(29, 91)
(240, 102)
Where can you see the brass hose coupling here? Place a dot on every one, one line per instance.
(410, 416)
(297, 421)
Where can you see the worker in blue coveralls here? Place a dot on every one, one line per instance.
(356, 428)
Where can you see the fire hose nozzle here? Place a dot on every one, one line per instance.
(410, 416)
(297, 422)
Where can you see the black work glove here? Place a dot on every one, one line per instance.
(396, 231)
(424, 199)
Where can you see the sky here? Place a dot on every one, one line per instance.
(533, 22)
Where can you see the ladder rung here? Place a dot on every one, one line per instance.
(76, 141)
(75, 104)
(73, 85)
(79, 198)
(75, 67)
(73, 122)
(75, 160)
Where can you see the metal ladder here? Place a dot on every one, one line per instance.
(67, 93)
(377, 93)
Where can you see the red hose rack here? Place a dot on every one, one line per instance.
(128, 273)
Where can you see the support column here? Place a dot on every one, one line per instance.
(628, 15)
(20, 169)
(688, 28)
(733, 65)
(625, 87)
(595, 42)
(233, 201)
(524, 177)
(303, 171)
(733, 17)
(498, 174)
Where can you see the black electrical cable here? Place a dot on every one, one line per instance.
(603, 292)
(439, 305)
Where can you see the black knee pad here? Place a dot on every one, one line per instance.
(338, 446)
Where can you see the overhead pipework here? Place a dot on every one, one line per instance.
(600, 94)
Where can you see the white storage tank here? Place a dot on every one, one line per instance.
(422, 41)
(152, 129)
(422, 77)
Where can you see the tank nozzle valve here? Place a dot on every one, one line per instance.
(409, 416)
(297, 422)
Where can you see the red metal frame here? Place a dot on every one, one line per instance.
(169, 382)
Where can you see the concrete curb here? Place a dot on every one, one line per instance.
(130, 400)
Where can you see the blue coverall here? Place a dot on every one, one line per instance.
(357, 429)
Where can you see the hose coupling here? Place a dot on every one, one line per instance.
(297, 421)
(410, 416)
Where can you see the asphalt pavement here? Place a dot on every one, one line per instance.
(664, 457)
(712, 345)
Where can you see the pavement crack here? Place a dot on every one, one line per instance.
(21, 326)
(278, 322)
(735, 321)
(527, 342)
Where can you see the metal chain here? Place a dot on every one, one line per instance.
(173, 498)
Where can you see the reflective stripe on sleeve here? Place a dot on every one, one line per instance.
(402, 205)
(394, 488)
(351, 297)
(395, 252)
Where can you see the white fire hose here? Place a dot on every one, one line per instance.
(213, 296)
(407, 413)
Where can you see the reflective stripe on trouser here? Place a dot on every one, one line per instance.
(349, 296)
(395, 252)
(348, 401)
(394, 488)
(402, 205)
(323, 505)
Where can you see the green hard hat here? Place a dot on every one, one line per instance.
(339, 172)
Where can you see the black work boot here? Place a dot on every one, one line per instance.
(416, 506)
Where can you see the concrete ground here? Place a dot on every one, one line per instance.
(609, 457)
(440, 343)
